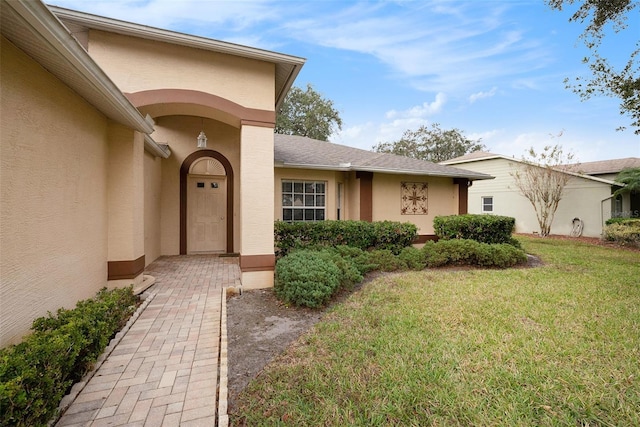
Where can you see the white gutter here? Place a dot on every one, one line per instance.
(156, 149)
(45, 24)
(372, 169)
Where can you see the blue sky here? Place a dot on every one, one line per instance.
(493, 69)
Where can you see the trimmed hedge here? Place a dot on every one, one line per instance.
(389, 235)
(620, 220)
(626, 232)
(481, 228)
(311, 277)
(36, 373)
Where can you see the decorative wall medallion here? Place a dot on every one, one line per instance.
(414, 198)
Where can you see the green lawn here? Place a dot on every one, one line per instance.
(553, 345)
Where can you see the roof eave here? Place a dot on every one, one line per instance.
(472, 177)
(288, 65)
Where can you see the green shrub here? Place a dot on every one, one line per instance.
(413, 258)
(359, 234)
(481, 228)
(385, 260)
(620, 220)
(470, 252)
(306, 278)
(37, 373)
(358, 257)
(625, 233)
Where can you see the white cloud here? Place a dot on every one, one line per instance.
(481, 95)
(420, 111)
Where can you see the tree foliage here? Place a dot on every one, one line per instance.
(541, 178)
(432, 144)
(307, 113)
(631, 178)
(622, 83)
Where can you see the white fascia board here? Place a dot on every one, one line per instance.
(375, 170)
(173, 37)
(40, 18)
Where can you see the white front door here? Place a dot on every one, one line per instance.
(206, 210)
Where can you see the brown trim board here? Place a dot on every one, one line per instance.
(256, 116)
(258, 262)
(117, 270)
(463, 195)
(184, 173)
(424, 238)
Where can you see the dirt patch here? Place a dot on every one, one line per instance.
(259, 327)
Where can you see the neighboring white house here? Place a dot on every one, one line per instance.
(586, 201)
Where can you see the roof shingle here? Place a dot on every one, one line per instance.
(299, 151)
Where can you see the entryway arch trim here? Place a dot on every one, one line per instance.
(184, 174)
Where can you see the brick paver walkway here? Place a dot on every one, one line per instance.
(164, 371)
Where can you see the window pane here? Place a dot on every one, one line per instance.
(319, 214)
(309, 187)
(287, 200)
(287, 187)
(297, 200)
(319, 200)
(297, 187)
(287, 214)
(320, 187)
(297, 214)
(308, 201)
(308, 215)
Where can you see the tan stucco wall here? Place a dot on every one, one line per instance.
(152, 207)
(137, 65)
(352, 201)
(582, 198)
(53, 188)
(387, 199)
(125, 194)
(331, 191)
(180, 132)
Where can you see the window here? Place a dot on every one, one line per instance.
(487, 204)
(303, 200)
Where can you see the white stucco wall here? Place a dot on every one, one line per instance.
(581, 199)
(53, 188)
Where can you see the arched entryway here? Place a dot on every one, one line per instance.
(206, 176)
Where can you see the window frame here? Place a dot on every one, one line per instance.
(484, 204)
(303, 191)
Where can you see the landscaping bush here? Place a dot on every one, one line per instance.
(481, 228)
(414, 258)
(306, 278)
(385, 260)
(624, 233)
(37, 373)
(620, 220)
(470, 252)
(364, 235)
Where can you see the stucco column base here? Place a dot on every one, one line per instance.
(257, 279)
(123, 283)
